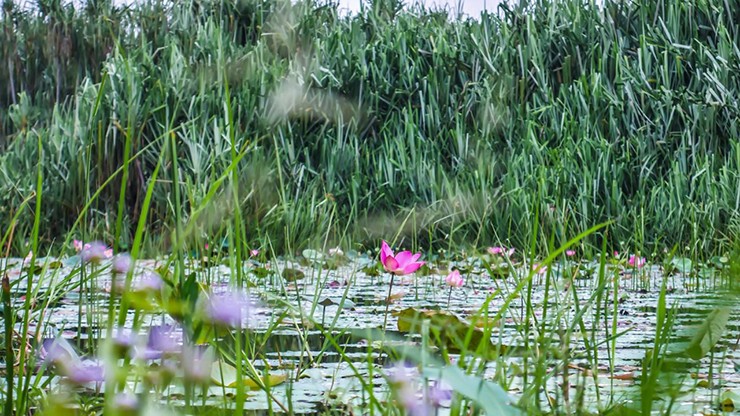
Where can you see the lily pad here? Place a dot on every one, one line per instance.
(291, 275)
(313, 255)
(225, 375)
(682, 264)
(729, 400)
(447, 330)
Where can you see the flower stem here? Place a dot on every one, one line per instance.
(388, 301)
(449, 297)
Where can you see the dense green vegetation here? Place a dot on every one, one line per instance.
(558, 115)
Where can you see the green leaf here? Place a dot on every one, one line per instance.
(313, 255)
(224, 375)
(291, 275)
(729, 400)
(682, 264)
(708, 333)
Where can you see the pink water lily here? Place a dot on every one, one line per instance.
(635, 261)
(501, 251)
(570, 253)
(400, 264)
(454, 279)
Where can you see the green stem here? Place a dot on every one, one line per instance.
(388, 302)
(9, 356)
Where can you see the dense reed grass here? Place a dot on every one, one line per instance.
(453, 132)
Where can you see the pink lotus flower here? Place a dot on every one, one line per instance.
(616, 254)
(400, 264)
(635, 261)
(254, 253)
(570, 253)
(539, 268)
(27, 259)
(454, 279)
(77, 244)
(501, 251)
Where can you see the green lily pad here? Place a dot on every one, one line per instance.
(682, 264)
(313, 255)
(729, 400)
(291, 275)
(225, 375)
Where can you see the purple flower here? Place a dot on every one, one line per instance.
(84, 372)
(197, 363)
(57, 351)
(122, 264)
(123, 341)
(227, 309)
(149, 282)
(402, 380)
(94, 252)
(163, 340)
(126, 403)
(439, 393)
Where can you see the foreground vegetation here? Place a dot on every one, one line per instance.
(326, 130)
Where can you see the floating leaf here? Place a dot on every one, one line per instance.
(261, 272)
(729, 400)
(313, 255)
(291, 275)
(682, 264)
(336, 301)
(224, 375)
(708, 334)
(447, 330)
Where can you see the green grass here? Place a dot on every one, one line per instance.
(624, 112)
(260, 124)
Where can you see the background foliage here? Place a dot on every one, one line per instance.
(552, 114)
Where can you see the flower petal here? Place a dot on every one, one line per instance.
(390, 264)
(403, 258)
(410, 268)
(385, 252)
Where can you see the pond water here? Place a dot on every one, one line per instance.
(320, 378)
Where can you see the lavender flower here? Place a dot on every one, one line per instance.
(84, 372)
(197, 363)
(126, 403)
(163, 341)
(227, 309)
(94, 252)
(149, 282)
(122, 264)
